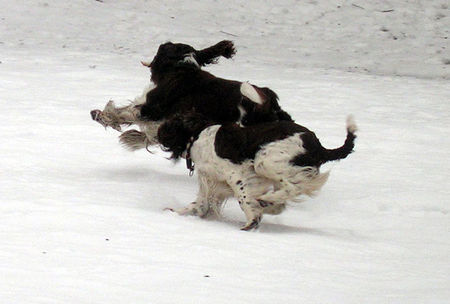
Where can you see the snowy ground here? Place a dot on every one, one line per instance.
(82, 220)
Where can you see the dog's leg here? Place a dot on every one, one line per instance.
(274, 162)
(252, 209)
(215, 192)
(114, 117)
(301, 181)
(271, 208)
(159, 102)
(198, 208)
(195, 208)
(210, 197)
(253, 212)
(286, 191)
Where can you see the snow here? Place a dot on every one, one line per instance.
(82, 220)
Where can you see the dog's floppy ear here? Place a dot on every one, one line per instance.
(195, 123)
(174, 136)
(175, 133)
(210, 55)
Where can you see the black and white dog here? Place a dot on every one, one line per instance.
(181, 86)
(263, 166)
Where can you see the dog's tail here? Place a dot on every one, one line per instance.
(315, 154)
(261, 105)
(347, 147)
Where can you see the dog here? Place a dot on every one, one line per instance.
(181, 86)
(263, 166)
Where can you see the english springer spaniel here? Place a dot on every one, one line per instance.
(263, 166)
(181, 86)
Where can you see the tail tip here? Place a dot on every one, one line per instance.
(351, 124)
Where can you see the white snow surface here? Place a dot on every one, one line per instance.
(82, 220)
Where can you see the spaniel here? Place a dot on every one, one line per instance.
(179, 85)
(263, 166)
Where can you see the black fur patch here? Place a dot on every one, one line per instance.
(316, 154)
(242, 143)
(239, 144)
(183, 87)
(175, 133)
(313, 156)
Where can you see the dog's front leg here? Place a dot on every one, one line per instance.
(195, 208)
(201, 206)
(159, 102)
(115, 117)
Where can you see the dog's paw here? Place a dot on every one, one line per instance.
(102, 118)
(95, 115)
(253, 224)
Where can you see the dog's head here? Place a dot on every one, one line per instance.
(171, 56)
(175, 133)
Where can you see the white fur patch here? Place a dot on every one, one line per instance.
(242, 113)
(273, 161)
(249, 91)
(189, 58)
(351, 124)
(141, 99)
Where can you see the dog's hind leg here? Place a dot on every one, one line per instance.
(305, 181)
(271, 208)
(253, 210)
